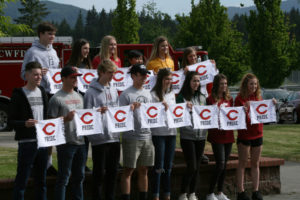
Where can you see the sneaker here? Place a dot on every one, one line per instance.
(211, 197)
(183, 197)
(193, 196)
(242, 196)
(222, 196)
(257, 196)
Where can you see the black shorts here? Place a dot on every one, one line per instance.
(253, 143)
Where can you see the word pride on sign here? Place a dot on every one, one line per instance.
(87, 76)
(121, 79)
(232, 118)
(54, 79)
(119, 119)
(206, 70)
(152, 115)
(50, 132)
(262, 111)
(88, 122)
(205, 117)
(178, 116)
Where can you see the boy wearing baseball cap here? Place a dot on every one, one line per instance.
(71, 156)
(138, 150)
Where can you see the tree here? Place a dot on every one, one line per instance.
(79, 27)
(6, 26)
(208, 25)
(125, 22)
(33, 12)
(91, 27)
(63, 29)
(272, 52)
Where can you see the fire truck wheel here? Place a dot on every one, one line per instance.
(3, 117)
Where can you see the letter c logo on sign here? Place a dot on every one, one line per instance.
(199, 67)
(147, 82)
(47, 132)
(120, 119)
(229, 115)
(55, 79)
(84, 120)
(148, 112)
(175, 113)
(177, 81)
(258, 109)
(86, 75)
(118, 79)
(202, 114)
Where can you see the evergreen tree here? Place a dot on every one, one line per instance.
(64, 29)
(32, 13)
(91, 27)
(208, 25)
(272, 52)
(79, 27)
(125, 22)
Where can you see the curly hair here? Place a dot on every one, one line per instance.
(244, 93)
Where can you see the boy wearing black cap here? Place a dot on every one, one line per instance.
(71, 156)
(138, 150)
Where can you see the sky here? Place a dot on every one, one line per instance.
(171, 7)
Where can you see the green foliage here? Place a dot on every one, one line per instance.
(272, 52)
(63, 29)
(7, 27)
(208, 25)
(79, 27)
(155, 23)
(32, 13)
(125, 22)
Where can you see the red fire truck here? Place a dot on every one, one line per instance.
(12, 51)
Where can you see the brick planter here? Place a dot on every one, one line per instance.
(269, 179)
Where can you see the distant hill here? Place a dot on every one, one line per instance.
(286, 6)
(57, 11)
(60, 11)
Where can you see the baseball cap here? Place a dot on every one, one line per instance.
(139, 68)
(69, 71)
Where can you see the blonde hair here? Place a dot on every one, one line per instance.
(244, 93)
(104, 51)
(187, 51)
(155, 48)
(107, 65)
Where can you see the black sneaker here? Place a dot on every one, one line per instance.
(242, 196)
(257, 196)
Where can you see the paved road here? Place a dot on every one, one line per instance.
(290, 173)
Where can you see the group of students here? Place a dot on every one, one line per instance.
(142, 148)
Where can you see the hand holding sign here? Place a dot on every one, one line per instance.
(30, 123)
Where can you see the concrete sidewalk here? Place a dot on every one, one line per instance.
(289, 173)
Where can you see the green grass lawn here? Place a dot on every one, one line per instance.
(281, 141)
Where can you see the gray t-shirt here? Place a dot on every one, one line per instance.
(129, 96)
(36, 102)
(60, 105)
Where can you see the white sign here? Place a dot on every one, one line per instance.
(262, 111)
(206, 71)
(88, 122)
(121, 79)
(178, 78)
(150, 82)
(50, 132)
(178, 116)
(152, 115)
(232, 118)
(87, 76)
(54, 78)
(119, 119)
(205, 117)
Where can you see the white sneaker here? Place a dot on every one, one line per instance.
(211, 197)
(193, 196)
(183, 197)
(222, 196)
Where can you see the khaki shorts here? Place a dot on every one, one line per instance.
(137, 153)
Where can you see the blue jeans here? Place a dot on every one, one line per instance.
(71, 159)
(31, 159)
(164, 154)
